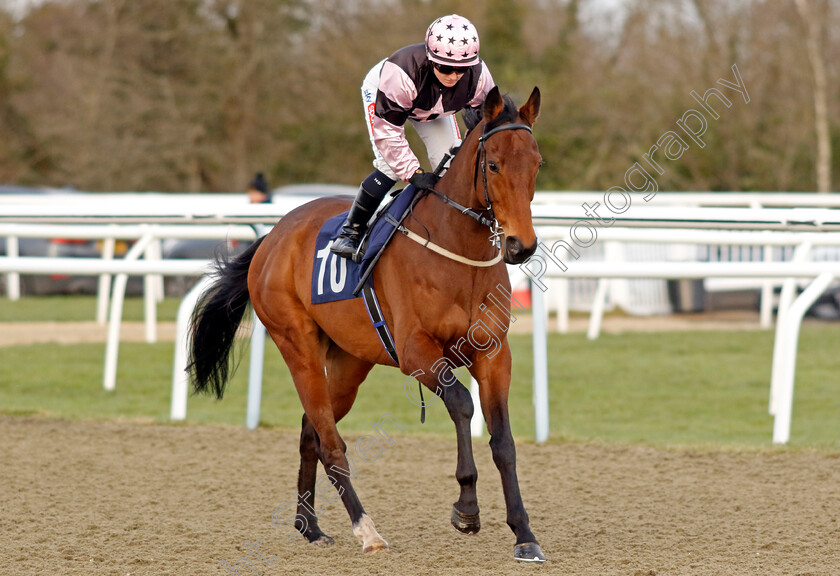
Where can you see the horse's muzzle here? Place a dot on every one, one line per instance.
(516, 252)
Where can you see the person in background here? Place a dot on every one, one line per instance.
(258, 190)
(426, 84)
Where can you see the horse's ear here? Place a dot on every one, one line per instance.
(493, 104)
(531, 109)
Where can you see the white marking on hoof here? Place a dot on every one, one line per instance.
(366, 532)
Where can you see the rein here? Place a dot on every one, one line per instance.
(484, 221)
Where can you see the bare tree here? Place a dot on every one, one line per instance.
(197, 95)
(812, 20)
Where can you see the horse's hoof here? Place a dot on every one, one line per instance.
(528, 552)
(318, 538)
(466, 523)
(366, 532)
(323, 541)
(376, 546)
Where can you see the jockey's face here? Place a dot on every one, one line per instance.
(449, 80)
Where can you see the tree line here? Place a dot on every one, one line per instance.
(197, 95)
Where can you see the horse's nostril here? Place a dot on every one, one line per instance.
(513, 246)
(516, 252)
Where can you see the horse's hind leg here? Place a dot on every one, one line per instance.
(344, 375)
(309, 456)
(298, 340)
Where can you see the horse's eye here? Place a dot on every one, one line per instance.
(494, 168)
(542, 163)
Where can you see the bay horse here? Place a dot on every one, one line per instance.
(431, 301)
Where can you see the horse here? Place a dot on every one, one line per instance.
(442, 306)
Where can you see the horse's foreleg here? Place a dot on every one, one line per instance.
(493, 376)
(465, 516)
(439, 378)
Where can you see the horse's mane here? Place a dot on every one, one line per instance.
(472, 117)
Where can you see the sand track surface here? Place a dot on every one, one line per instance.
(127, 498)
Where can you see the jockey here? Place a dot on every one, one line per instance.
(425, 84)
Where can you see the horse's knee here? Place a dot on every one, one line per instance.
(459, 402)
(503, 449)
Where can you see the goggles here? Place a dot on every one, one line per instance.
(447, 70)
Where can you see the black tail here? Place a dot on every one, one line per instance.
(214, 323)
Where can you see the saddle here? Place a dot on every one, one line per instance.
(335, 278)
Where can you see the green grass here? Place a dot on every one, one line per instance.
(76, 309)
(672, 388)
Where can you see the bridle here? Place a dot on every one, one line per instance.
(481, 164)
(496, 231)
(481, 157)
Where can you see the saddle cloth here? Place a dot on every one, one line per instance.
(335, 278)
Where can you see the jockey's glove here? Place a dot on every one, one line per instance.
(423, 180)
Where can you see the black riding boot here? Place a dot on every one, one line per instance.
(371, 193)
